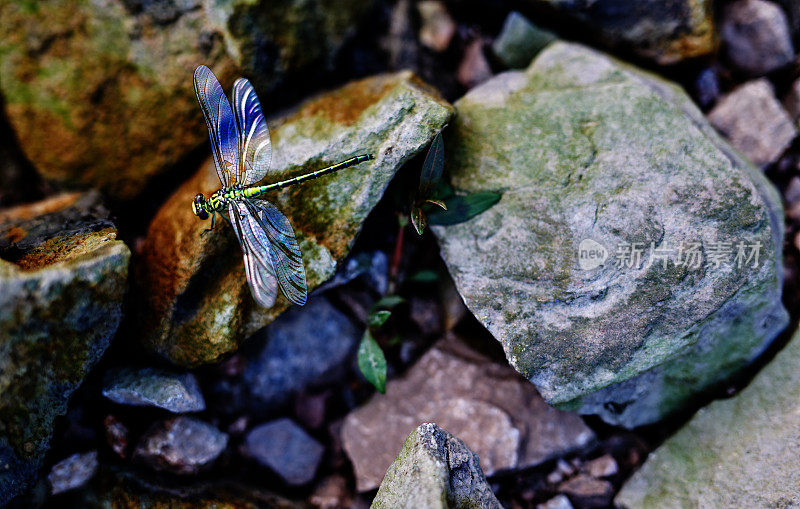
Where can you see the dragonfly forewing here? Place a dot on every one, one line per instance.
(220, 122)
(255, 147)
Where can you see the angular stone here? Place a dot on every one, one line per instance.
(756, 36)
(666, 32)
(557, 502)
(435, 470)
(519, 41)
(182, 445)
(587, 491)
(176, 392)
(305, 347)
(738, 452)
(283, 447)
(72, 472)
(604, 466)
(752, 119)
(474, 68)
(63, 276)
(194, 296)
(498, 414)
(592, 155)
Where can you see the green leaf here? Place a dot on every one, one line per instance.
(378, 318)
(439, 203)
(418, 219)
(372, 362)
(388, 302)
(432, 168)
(424, 276)
(463, 208)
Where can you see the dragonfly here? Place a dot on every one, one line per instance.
(240, 142)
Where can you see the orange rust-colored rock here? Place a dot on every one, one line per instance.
(194, 303)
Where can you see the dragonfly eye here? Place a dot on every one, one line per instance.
(198, 207)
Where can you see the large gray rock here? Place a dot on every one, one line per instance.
(495, 411)
(592, 157)
(740, 452)
(435, 470)
(63, 276)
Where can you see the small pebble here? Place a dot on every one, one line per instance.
(283, 447)
(519, 41)
(72, 472)
(587, 491)
(438, 27)
(176, 392)
(604, 466)
(474, 68)
(116, 436)
(706, 86)
(183, 445)
(557, 502)
(753, 120)
(756, 36)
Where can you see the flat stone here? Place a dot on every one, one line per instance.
(182, 445)
(305, 347)
(283, 447)
(72, 472)
(604, 466)
(595, 158)
(557, 502)
(587, 492)
(192, 290)
(665, 32)
(738, 452)
(63, 276)
(756, 36)
(434, 470)
(176, 392)
(519, 41)
(752, 119)
(499, 415)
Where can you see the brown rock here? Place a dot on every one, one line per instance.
(587, 492)
(604, 466)
(438, 27)
(195, 301)
(474, 68)
(496, 412)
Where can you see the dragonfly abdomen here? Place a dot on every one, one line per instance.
(251, 192)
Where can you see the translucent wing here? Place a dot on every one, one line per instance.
(254, 144)
(257, 262)
(284, 251)
(220, 121)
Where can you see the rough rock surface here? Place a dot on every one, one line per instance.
(78, 75)
(739, 452)
(176, 392)
(756, 36)
(305, 347)
(495, 411)
(63, 276)
(435, 470)
(286, 449)
(666, 32)
(193, 288)
(182, 445)
(611, 179)
(752, 119)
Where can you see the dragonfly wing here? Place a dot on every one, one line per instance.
(257, 263)
(220, 121)
(254, 142)
(285, 253)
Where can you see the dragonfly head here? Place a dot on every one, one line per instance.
(199, 207)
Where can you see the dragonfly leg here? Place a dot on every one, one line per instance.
(213, 221)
